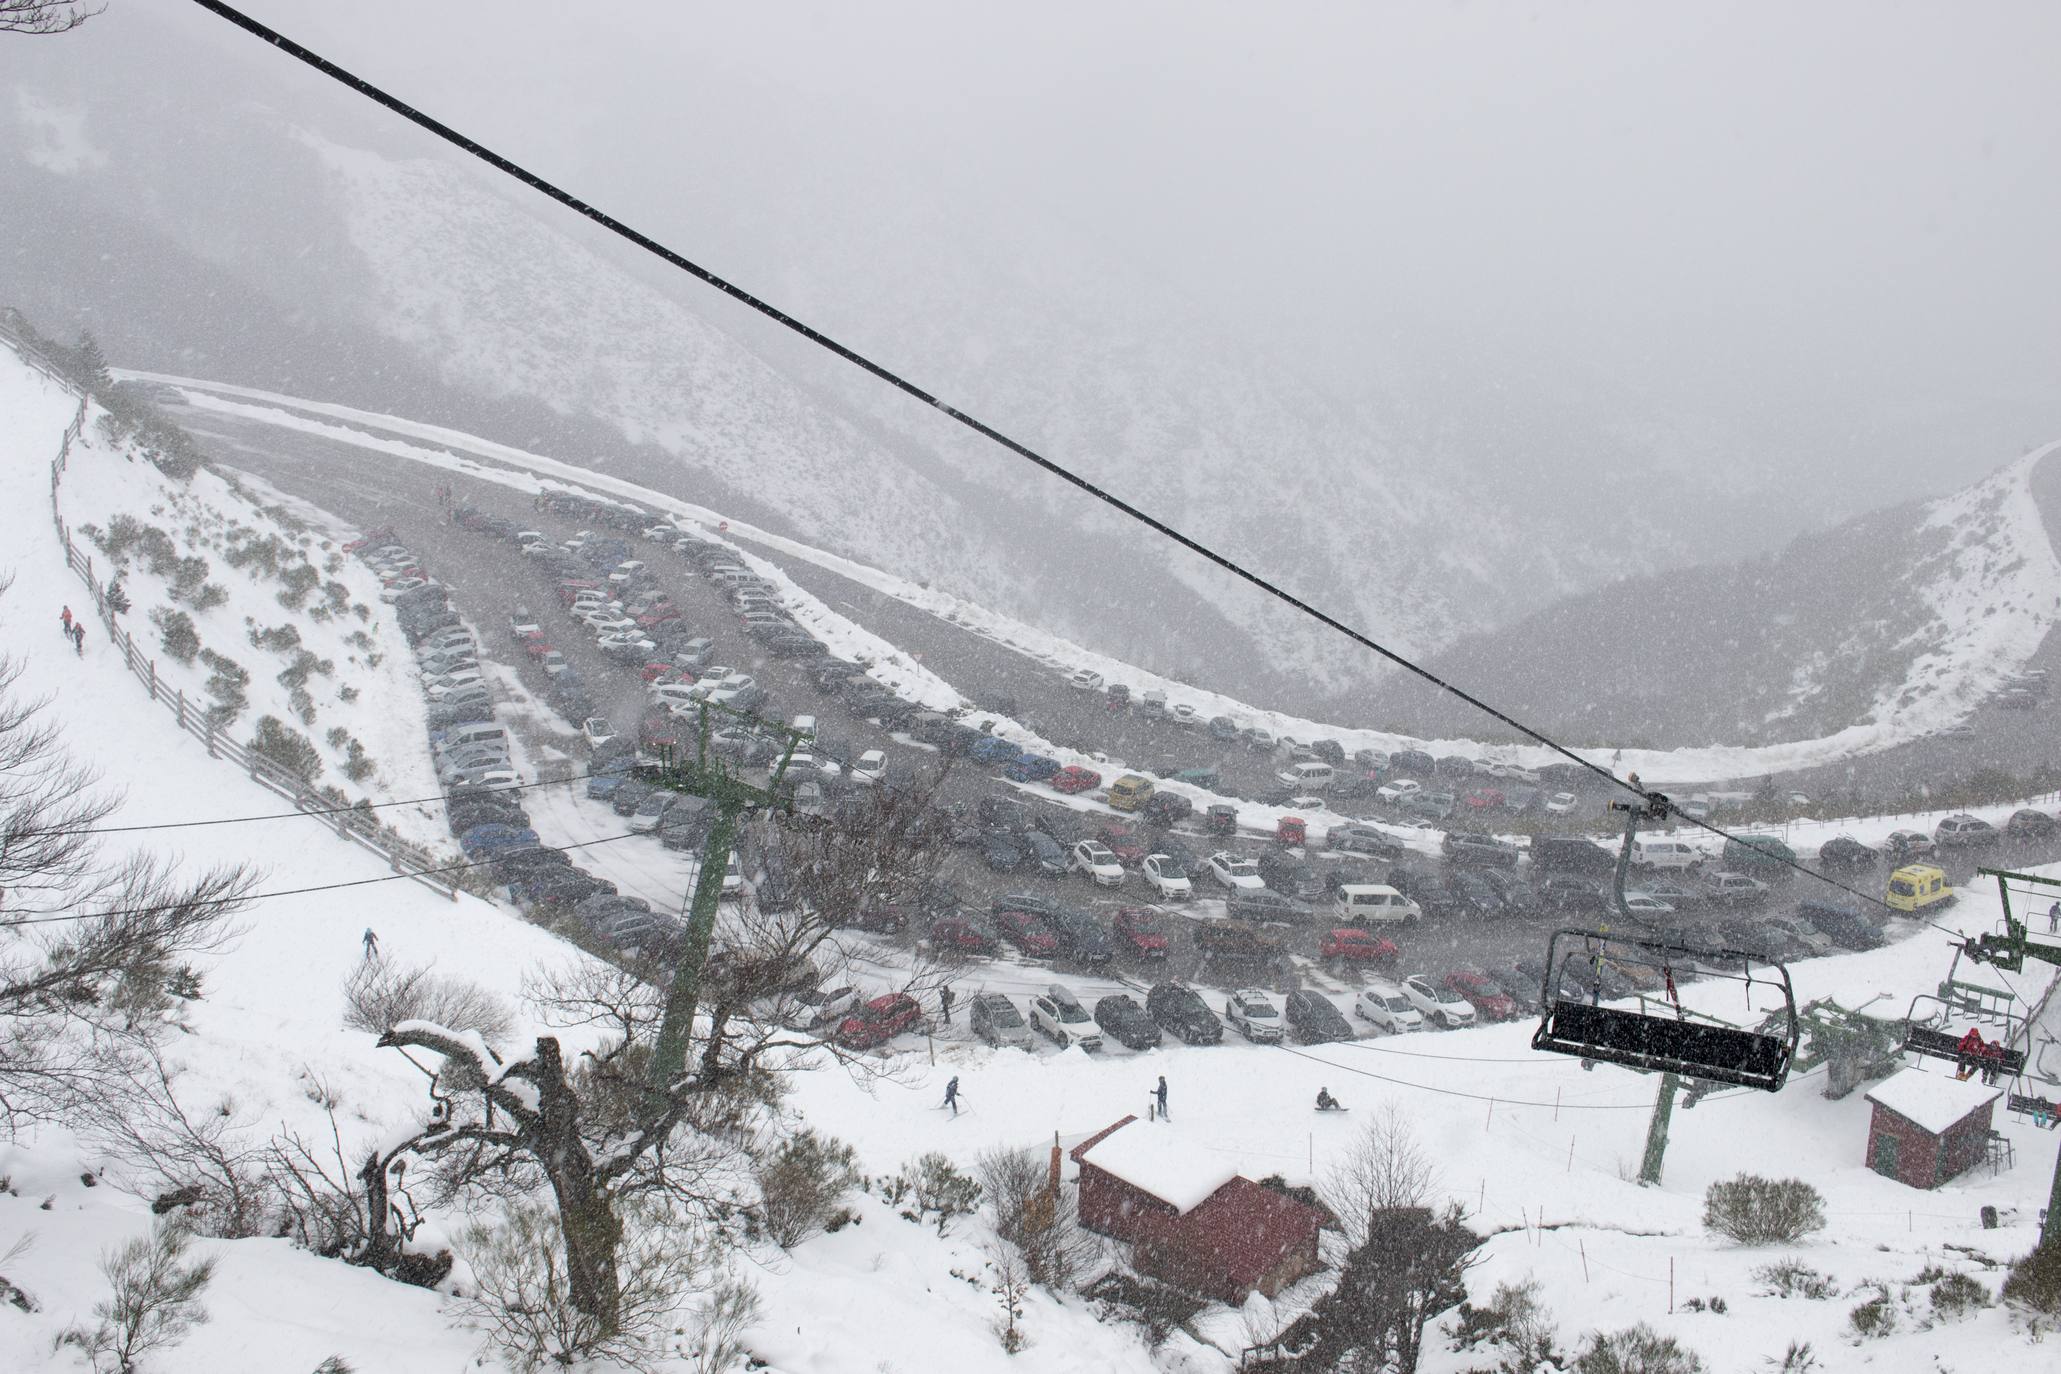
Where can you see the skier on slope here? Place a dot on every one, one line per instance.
(952, 1094)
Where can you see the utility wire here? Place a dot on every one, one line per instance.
(650, 245)
(52, 918)
(470, 792)
(1475, 1097)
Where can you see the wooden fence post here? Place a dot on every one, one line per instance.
(153, 679)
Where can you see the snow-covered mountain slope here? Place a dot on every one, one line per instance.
(1885, 627)
(1992, 586)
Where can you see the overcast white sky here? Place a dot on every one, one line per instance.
(1822, 218)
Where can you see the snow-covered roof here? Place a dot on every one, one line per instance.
(1160, 1163)
(1933, 1101)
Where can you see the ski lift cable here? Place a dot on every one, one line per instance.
(894, 379)
(37, 918)
(319, 810)
(1472, 1097)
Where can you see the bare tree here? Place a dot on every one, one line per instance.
(43, 16)
(153, 1301)
(91, 949)
(183, 1156)
(596, 1131)
(1384, 1169)
(1036, 1213)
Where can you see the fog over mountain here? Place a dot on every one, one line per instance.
(1434, 316)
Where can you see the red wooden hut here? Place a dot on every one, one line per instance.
(1929, 1127)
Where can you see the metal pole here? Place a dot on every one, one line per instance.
(1656, 1130)
(669, 1055)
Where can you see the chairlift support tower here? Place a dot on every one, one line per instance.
(2007, 952)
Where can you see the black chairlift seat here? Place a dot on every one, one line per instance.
(2039, 1108)
(1667, 1042)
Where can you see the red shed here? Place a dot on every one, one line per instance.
(1190, 1218)
(1929, 1127)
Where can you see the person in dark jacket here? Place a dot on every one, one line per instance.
(1159, 1093)
(952, 1094)
(79, 638)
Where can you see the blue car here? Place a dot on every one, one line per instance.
(988, 749)
(484, 841)
(1031, 768)
(609, 776)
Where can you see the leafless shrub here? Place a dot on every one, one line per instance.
(717, 1345)
(1636, 1350)
(1035, 1213)
(1011, 1290)
(1385, 1169)
(1763, 1211)
(522, 1290)
(197, 1159)
(801, 1183)
(153, 1301)
(381, 993)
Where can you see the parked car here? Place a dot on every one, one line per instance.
(1735, 889)
(961, 933)
(995, 1019)
(1073, 778)
(1252, 1013)
(2027, 824)
(1234, 871)
(1092, 858)
(1902, 846)
(1183, 1014)
(880, 1021)
(1123, 840)
(869, 768)
(1060, 1018)
(1168, 877)
(1080, 938)
(1480, 992)
(1569, 892)
(1462, 847)
(1258, 904)
(1138, 932)
(816, 1009)
(1086, 680)
(1314, 1019)
(651, 811)
(1399, 791)
(1045, 853)
(1436, 1005)
(1031, 768)
(1361, 839)
(1353, 946)
(1126, 1022)
(1846, 852)
(1028, 933)
(1386, 1008)
(1965, 832)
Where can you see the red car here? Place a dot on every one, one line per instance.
(1358, 947)
(961, 935)
(1027, 933)
(536, 646)
(655, 671)
(569, 592)
(1490, 1002)
(659, 730)
(1484, 798)
(1124, 842)
(371, 539)
(657, 616)
(879, 1021)
(1074, 779)
(1139, 930)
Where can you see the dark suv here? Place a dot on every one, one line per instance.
(1183, 1015)
(1487, 850)
(1080, 938)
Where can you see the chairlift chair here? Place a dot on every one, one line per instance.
(1575, 1021)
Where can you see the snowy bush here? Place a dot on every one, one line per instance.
(1875, 1317)
(152, 1303)
(1763, 1211)
(226, 680)
(381, 994)
(1792, 1278)
(932, 1184)
(799, 1185)
(1514, 1320)
(175, 631)
(717, 1345)
(2035, 1282)
(1797, 1359)
(1636, 1350)
(287, 747)
(1956, 1295)
(522, 1292)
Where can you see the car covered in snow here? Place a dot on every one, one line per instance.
(1437, 1005)
(1252, 1013)
(1058, 1016)
(1234, 871)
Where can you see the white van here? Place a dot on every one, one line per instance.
(1373, 904)
(1310, 775)
(477, 732)
(1661, 854)
(805, 726)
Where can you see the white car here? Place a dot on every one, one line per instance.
(597, 731)
(1184, 715)
(394, 591)
(1645, 904)
(627, 639)
(436, 689)
(610, 623)
(1383, 1005)
(524, 623)
(1560, 803)
(1401, 790)
(1260, 737)
(1436, 1005)
(666, 532)
(1168, 878)
(869, 768)
(672, 694)
(1086, 680)
(1094, 859)
(1253, 1015)
(1234, 870)
(1057, 1016)
(1307, 804)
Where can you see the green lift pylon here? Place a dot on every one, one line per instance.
(733, 799)
(2008, 953)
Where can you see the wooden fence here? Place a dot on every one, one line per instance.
(350, 824)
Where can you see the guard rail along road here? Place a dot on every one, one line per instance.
(350, 825)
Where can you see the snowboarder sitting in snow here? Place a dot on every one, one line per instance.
(1326, 1102)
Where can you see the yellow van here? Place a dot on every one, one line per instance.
(1917, 886)
(1130, 792)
